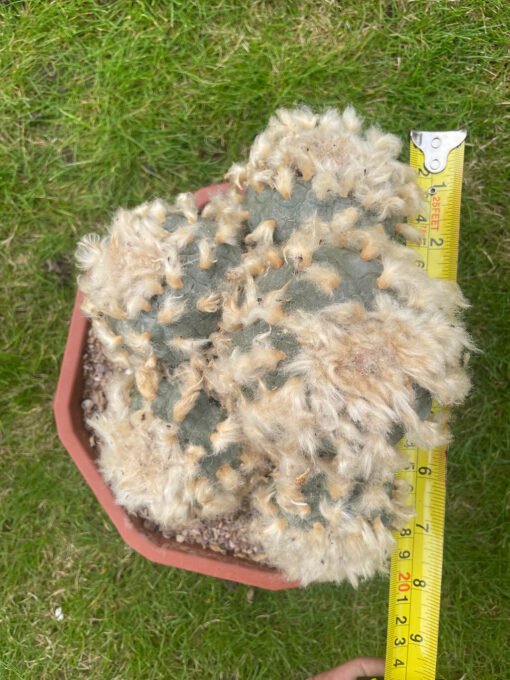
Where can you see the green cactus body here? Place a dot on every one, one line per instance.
(290, 213)
(195, 322)
(283, 373)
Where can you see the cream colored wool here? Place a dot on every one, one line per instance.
(329, 151)
(274, 349)
(151, 469)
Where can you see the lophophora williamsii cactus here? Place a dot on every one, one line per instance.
(273, 350)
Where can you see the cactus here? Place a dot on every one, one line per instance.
(275, 348)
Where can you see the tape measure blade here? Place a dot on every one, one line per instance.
(416, 564)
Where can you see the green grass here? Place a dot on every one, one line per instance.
(109, 103)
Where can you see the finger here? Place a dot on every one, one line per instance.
(361, 667)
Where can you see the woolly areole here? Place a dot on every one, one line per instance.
(272, 350)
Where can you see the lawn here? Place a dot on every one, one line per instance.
(111, 103)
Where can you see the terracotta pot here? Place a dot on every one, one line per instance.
(75, 438)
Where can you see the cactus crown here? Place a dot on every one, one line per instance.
(273, 349)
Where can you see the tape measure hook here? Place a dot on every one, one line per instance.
(436, 146)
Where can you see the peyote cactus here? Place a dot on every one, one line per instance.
(274, 349)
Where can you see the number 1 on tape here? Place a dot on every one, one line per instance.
(416, 564)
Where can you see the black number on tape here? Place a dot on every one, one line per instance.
(416, 638)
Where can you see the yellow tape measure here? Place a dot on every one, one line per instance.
(416, 564)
